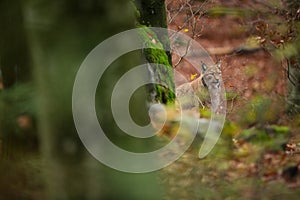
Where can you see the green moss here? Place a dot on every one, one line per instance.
(280, 129)
(156, 54)
(254, 135)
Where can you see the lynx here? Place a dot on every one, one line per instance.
(187, 93)
(165, 118)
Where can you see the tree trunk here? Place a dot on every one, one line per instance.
(18, 138)
(294, 86)
(62, 34)
(153, 14)
(14, 52)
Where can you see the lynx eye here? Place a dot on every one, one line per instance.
(209, 77)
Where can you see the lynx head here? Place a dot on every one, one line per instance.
(211, 76)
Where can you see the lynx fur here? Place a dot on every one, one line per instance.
(210, 78)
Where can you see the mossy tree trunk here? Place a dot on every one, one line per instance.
(153, 14)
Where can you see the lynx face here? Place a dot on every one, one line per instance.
(211, 76)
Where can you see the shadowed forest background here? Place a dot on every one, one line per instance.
(42, 45)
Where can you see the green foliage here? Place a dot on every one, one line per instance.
(259, 110)
(231, 129)
(280, 129)
(270, 137)
(205, 113)
(223, 11)
(288, 51)
(231, 95)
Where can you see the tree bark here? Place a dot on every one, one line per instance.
(294, 86)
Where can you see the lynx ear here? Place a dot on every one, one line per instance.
(219, 64)
(204, 67)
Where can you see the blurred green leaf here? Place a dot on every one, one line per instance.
(223, 11)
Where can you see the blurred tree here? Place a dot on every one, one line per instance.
(18, 136)
(14, 52)
(61, 34)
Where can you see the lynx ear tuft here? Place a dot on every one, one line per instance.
(204, 67)
(219, 64)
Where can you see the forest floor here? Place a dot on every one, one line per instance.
(258, 155)
(243, 35)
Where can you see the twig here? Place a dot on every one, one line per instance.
(185, 53)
